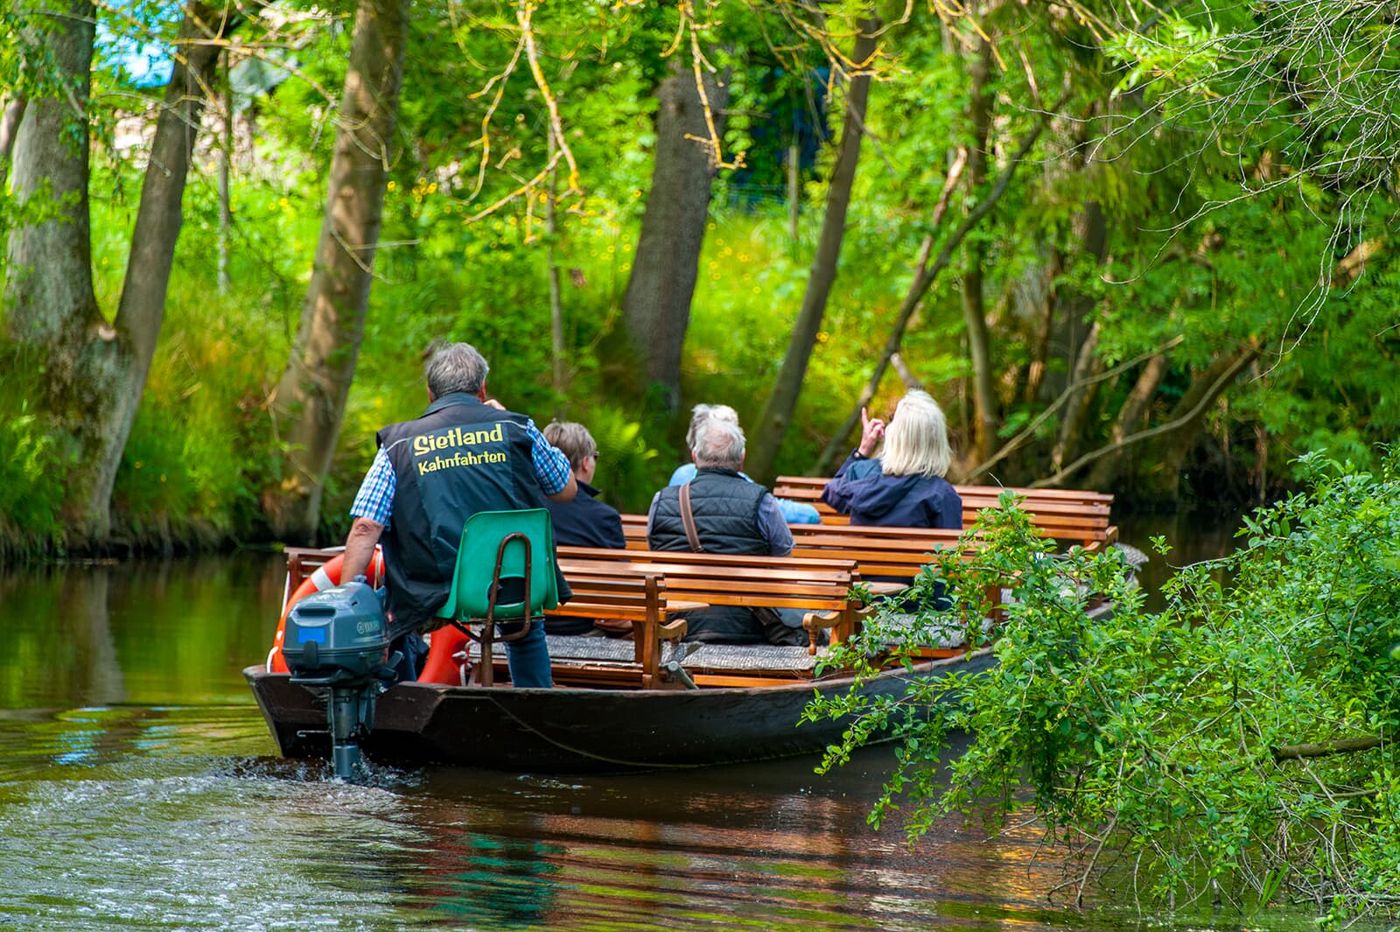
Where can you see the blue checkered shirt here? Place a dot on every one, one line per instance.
(375, 500)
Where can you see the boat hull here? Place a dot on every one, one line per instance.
(575, 730)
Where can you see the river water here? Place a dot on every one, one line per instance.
(139, 788)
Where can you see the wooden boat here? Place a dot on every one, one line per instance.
(574, 729)
(620, 713)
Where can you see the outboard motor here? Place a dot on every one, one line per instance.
(339, 638)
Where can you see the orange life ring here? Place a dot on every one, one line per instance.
(447, 658)
(325, 577)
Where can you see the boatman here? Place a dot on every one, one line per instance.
(465, 454)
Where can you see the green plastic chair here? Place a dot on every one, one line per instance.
(497, 546)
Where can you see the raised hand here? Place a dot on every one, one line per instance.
(872, 429)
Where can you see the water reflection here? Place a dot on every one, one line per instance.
(146, 633)
(1193, 536)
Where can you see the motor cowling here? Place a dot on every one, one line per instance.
(338, 635)
(339, 638)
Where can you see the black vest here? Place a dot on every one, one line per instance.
(459, 458)
(725, 507)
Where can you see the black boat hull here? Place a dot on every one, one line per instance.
(574, 730)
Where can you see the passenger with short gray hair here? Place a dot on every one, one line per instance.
(721, 511)
(455, 367)
(466, 453)
(793, 512)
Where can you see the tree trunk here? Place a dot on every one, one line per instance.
(656, 305)
(159, 217)
(310, 399)
(1072, 422)
(52, 312)
(777, 414)
(556, 300)
(225, 176)
(1105, 471)
(1168, 455)
(985, 409)
(1035, 305)
(1179, 431)
(794, 189)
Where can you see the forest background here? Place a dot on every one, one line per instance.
(1129, 247)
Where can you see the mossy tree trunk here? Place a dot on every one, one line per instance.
(656, 305)
(309, 404)
(94, 371)
(52, 315)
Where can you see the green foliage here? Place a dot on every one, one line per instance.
(30, 496)
(1186, 256)
(1238, 744)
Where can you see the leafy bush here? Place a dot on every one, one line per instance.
(29, 499)
(1238, 744)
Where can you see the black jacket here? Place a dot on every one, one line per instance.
(870, 497)
(587, 522)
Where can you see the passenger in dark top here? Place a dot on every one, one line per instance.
(905, 486)
(585, 521)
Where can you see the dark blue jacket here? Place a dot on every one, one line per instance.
(872, 498)
(587, 522)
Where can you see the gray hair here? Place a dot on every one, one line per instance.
(455, 367)
(719, 444)
(702, 413)
(916, 442)
(572, 439)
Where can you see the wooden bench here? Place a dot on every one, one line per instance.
(609, 592)
(1072, 515)
(821, 587)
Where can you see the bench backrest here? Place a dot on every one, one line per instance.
(814, 584)
(1075, 515)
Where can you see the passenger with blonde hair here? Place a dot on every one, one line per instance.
(908, 489)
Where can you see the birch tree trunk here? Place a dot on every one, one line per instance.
(10, 118)
(656, 305)
(777, 414)
(309, 403)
